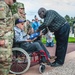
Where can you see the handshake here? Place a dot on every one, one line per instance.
(38, 32)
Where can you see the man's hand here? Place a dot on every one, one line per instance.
(2, 42)
(41, 33)
(34, 39)
(38, 30)
(29, 40)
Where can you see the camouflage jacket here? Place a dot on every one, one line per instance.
(18, 15)
(6, 19)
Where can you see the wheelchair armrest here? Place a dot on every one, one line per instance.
(18, 44)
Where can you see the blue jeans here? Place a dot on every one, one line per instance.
(50, 44)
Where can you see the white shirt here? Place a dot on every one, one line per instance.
(49, 36)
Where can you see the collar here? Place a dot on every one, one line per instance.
(17, 29)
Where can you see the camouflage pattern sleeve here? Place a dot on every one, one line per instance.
(6, 35)
(6, 23)
(2, 13)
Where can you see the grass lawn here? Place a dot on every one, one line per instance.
(71, 40)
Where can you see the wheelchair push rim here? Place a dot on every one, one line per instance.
(20, 66)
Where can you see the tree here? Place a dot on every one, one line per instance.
(70, 19)
(67, 18)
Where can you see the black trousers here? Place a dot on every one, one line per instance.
(31, 47)
(61, 37)
(44, 48)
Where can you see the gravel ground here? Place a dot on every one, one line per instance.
(67, 69)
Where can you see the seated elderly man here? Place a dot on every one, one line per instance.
(27, 45)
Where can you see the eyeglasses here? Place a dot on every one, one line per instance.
(22, 23)
(23, 14)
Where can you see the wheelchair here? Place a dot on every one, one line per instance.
(22, 60)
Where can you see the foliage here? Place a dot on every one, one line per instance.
(70, 19)
(70, 40)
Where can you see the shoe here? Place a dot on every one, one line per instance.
(49, 63)
(53, 57)
(55, 64)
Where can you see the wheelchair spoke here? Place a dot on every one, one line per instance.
(19, 65)
(20, 61)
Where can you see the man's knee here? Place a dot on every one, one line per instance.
(36, 43)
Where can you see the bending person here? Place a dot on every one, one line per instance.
(57, 24)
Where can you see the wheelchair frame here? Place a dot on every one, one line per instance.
(31, 59)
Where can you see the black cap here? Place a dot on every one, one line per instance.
(19, 21)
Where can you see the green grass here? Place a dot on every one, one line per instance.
(70, 40)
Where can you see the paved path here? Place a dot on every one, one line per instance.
(34, 70)
(71, 47)
(67, 69)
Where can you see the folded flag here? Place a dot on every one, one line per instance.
(32, 36)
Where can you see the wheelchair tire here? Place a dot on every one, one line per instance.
(42, 68)
(18, 67)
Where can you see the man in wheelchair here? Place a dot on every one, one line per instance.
(27, 44)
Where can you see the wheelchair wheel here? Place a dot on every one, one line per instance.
(20, 61)
(42, 68)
